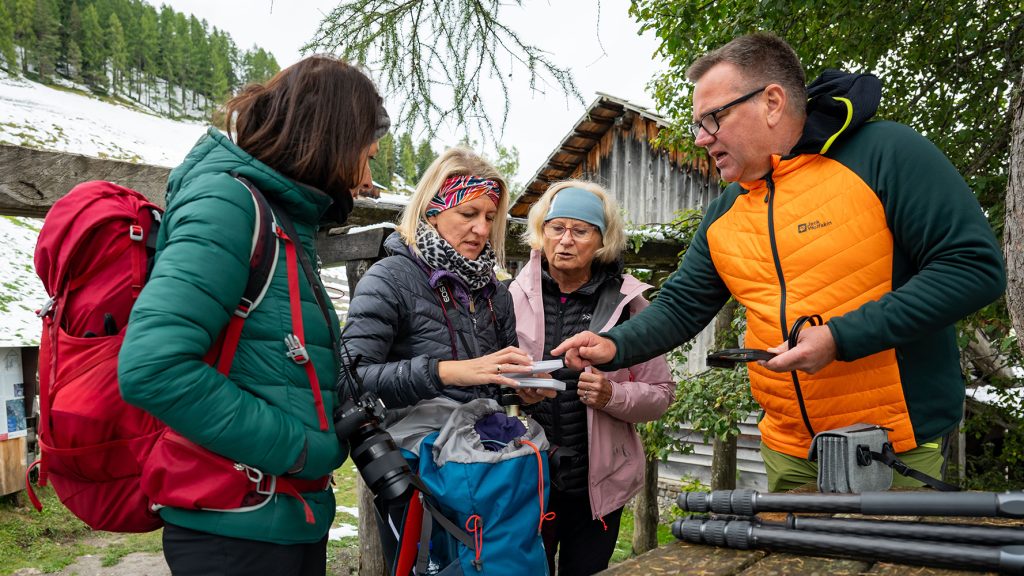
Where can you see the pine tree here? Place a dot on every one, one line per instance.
(94, 58)
(183, 55)
(73, 59)
(117, 49)
(200, 64)
(407, 159)
(424, 156)
(7, 51)
(259, 65)
(165, 46)
(147, 56)
(220, 67)
(382, 166)
(72, 36)
(46, 29)
(23, 14)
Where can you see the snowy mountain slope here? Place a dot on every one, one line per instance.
(39, 116)
(21, 292)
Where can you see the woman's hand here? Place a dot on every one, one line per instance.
(485, 369)
(594, 389)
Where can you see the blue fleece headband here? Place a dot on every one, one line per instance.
(578, 204)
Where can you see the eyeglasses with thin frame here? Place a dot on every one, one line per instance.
(556, 231)
(709, 121)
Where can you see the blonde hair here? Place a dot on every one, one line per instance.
(613, 242)
(456, 161)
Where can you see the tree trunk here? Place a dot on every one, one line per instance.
(723, 459)
(645, 505)
(645, 510)
(1013, 231)
(723, 464)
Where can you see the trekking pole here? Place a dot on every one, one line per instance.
(745, 535)
(959, 533)
(749, 502)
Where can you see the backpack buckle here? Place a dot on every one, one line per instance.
(244, 308)
(296, 351)
(135, 232)
(47, 306)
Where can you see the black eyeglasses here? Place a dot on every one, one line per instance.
(709, 121)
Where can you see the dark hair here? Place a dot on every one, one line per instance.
(763, 59)
(310, 122)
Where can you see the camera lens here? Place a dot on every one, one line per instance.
(382, 466)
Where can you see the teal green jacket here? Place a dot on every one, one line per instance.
(264, 414)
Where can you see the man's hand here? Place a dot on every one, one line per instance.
(815, 349)
(585, 349)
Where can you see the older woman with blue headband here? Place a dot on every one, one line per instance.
(431, 320)
(574, 282)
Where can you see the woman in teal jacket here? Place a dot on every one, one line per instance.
(304, 140)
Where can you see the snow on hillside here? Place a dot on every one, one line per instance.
(21, 292)
(39, 116)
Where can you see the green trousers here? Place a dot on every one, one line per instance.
(787, 472)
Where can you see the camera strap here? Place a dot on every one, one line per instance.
(888, 457)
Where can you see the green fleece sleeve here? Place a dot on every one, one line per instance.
(199, 276)
(946, 262)
(686, 303)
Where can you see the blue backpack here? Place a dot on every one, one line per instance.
(483, 497)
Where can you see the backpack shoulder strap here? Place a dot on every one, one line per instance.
(262, 263)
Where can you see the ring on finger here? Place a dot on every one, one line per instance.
(499, 368)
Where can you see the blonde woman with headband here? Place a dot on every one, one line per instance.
(572, 283)
(431, 319)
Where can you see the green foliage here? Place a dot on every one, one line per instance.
(439, 58)
(382, 166)
(117, 49)
(259, 65)
(947, 67)
(508, 165)
(45, 44)
(424, 156)
(7, 40)
(130, 43)
(93, 53)
(406, 167)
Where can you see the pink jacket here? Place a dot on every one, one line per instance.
(640, 393)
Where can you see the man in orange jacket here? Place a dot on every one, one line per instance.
(866, 224)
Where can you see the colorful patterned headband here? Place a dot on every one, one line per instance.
(459, 189)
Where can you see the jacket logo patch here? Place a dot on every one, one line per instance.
(806, 226)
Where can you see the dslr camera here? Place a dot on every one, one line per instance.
(358, 421)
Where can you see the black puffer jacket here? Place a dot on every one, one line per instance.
(564, 417)
(396, 323)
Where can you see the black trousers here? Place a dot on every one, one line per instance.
(192, 553)
(583, 544)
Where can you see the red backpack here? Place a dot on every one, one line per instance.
(93, 255)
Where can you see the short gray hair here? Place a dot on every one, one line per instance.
(613, 242)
